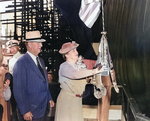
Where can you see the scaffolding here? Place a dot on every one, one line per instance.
(39, 15)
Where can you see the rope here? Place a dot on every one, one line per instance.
(103, 15)
(103, 32)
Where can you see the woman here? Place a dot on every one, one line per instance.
(72, 83)
(4, 105)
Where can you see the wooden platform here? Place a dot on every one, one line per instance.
(90, 113)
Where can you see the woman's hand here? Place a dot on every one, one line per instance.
(96, 70)
(88, 79)
(99, 69)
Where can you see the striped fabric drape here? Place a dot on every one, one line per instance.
(89, 11)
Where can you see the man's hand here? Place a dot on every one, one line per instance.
(28, 116)
(6, 84)
(52, 104)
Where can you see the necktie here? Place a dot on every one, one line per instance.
(39, 66)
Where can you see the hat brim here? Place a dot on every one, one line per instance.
(36, 40)
(9, 46)
(63, 51)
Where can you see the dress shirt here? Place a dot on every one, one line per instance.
(13, 60)
(33, 57)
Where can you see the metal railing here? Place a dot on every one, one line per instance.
(130, 108)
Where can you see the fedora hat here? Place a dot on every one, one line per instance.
(66, 47)
(12, 43)
(33, 36)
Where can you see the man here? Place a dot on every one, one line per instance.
(50, 77)
(13, 46)
(30, 84)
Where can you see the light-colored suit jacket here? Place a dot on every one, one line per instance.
(30, 87)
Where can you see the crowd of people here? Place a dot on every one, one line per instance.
(26, 84)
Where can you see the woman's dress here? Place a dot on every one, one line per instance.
(69, 102)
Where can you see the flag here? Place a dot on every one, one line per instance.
(89, 11)
(81, 33)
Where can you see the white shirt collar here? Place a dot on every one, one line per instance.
(33, 57)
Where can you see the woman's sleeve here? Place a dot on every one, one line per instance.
(69, 72)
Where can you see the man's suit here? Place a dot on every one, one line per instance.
(30, 87)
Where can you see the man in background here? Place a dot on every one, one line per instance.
(50, 77)
(13, 46)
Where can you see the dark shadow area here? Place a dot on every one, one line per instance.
(127, 25)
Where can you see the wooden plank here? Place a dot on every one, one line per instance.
(90, 112)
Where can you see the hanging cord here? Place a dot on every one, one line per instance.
(105, 50)
(103, 32)
(103, 15)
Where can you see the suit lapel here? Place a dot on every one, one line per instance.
(32, 64)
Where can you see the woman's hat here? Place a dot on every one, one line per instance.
(66, 47)
(12, 43)
(33, 36)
